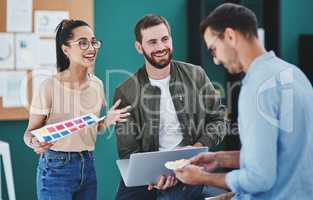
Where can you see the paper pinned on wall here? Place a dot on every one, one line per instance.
(2, 84)
(41, 74)
(7, 51)
(19, 15)
(15, 89)
(27, 51)
(47, 21)
(47, 52)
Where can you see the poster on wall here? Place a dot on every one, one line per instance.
(15, 89)
(7, 51)
(47, 21)
(2, 79)
(19, 15)
(27, 51)
(47, 52)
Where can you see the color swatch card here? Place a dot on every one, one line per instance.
(54, 132)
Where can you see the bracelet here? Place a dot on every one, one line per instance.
(105, 123)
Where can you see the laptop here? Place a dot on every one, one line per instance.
(145, 168)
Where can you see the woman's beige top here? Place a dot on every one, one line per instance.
(59, 102)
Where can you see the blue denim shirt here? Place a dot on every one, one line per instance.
(276, 131)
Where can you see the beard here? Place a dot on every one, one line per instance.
(161, 63)
(232, 64)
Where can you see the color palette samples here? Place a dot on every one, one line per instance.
(54, 132)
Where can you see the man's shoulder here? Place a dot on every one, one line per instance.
(130, 85)
(194, 72)
(188, 67)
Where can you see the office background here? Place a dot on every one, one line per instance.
(114, 22)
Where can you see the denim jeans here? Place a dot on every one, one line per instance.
(66, 176)
(178, 192)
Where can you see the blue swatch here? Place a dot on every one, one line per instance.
(87, 118)
(47, 138)
(56, 135)
(64, 133)
(90, 122)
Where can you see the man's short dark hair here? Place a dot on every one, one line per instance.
(229, 15)
(149, 21)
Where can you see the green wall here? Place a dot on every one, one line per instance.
(296, 19)
(24, 161)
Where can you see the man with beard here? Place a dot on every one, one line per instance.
(275, 116)
(173, 105)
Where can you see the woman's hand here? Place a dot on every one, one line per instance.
(40, 147)
(117, 115)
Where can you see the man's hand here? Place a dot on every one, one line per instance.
(191, 174)
(40, 147)
(164, 183)
(206, 160)
(195, 175)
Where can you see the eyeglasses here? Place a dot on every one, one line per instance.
(84, 43)
(212, 49)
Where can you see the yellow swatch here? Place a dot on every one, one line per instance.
(43, 131)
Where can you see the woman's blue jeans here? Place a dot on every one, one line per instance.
(66, 176)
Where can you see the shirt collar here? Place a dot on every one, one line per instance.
(144, 78)
(256, 63)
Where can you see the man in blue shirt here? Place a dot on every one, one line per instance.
(275, 116)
